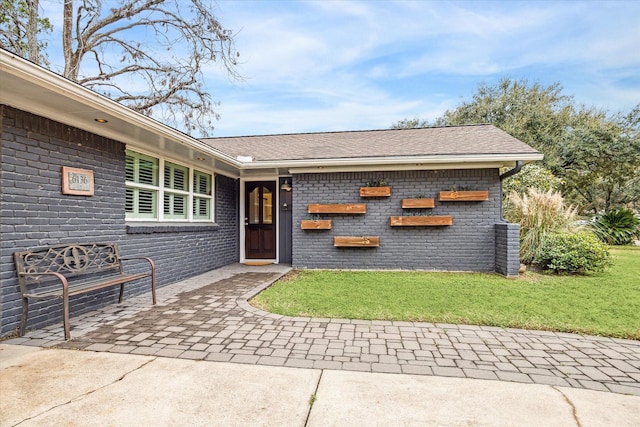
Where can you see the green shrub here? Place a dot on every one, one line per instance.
(572, 253)
(538, 213)
(617, 227)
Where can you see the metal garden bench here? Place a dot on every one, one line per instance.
(66, 270)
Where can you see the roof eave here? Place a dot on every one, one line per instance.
(395, 163)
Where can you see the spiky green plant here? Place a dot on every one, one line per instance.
(538, 213)
(617, 227)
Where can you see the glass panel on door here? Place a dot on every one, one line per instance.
(267, 206)
(254, 206)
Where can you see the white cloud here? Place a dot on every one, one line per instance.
(338, 65)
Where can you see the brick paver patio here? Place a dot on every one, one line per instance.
(208, 318)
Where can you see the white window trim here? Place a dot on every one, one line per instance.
(191, 194)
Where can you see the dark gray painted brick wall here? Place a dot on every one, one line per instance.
(467, 245)
(34, 213)
(285, 224)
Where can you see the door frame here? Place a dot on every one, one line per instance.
(243, 252)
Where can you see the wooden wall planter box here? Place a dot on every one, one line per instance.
(420, 221)
(315, 224)
(463, 196)
(418, 203)
(356, 241)
(355, 208)
(375, 191)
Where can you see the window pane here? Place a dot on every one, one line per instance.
(201, 208)
(147, 202)
(147, 171)
(175, 177)
(129, 201)
(267, 203)
(175, 206)
(201, 183)
(254, 206)
(130, 166)
(140, 203)
(140, 168)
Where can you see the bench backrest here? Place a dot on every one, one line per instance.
(69, 260)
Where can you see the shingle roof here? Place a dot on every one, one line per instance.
(391, 143)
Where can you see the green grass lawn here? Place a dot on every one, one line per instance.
(606, 304)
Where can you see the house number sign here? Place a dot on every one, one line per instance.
(77, 181)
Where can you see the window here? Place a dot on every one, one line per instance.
(176, 191)
(180, 193)
(142, 186)
(202, 195)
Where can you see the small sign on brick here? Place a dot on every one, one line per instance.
(77, 182)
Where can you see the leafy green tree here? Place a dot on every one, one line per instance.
(21, 29)
(533, 113)
(595, 156)
(600, 161)
(416, 122)
(532, 176)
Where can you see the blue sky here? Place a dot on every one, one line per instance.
(348, 65)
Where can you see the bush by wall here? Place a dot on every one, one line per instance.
(538, 213)
(572, 253)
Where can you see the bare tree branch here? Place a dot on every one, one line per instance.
(147, 54)
(175, 83)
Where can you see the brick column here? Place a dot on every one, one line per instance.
(507, 249)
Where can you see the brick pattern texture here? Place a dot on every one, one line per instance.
(508, 249)
(35, 213)
(468, 245)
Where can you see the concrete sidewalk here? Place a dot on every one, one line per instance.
(47, 387)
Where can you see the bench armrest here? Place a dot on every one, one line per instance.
(65, 284)
(153, 273)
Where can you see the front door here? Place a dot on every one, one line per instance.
(260, 220)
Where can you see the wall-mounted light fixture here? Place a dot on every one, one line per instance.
(285, 186)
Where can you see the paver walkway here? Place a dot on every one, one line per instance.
(208, 318)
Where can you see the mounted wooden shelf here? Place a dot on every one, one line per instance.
(356, 242)
(463, 196)
(375, 191)
(421, 203)
(315, 224)
(355, 208)
(420, 221)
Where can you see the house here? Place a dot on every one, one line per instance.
(195, 205)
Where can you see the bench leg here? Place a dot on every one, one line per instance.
(121, 293)
(25, 314)
(65, 314)
(153, 285)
